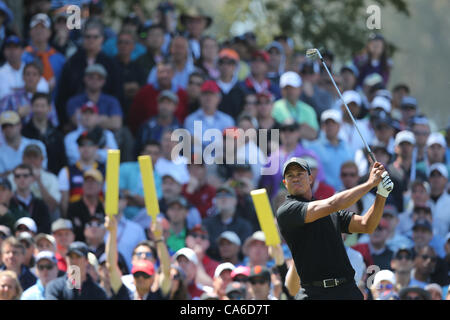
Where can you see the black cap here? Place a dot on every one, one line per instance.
(259, 271)
(79, 248)
(178, 200)
(301, 162)
(403, 249)
(289, 126)
(4, 182)
(424, 294)
(424, 223)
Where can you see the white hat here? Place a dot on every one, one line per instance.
(332, 114)
(256, 236)
(381, 102)
(46, 255)
(439, 167)
(230, 236)
(384, 275)
(312, 162)
(188, 253)
(290, 78)
(433, 286)
(405, 136)
(438, 138)
(28, 222)
(222, 267)
(352, 96)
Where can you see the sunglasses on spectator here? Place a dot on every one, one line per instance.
(199, 235)
(426, 257)
(141, 274)
(94, 224)
(146, 255)
(403, 256)
(258, 281)
(226, 61)
(387, 286)
(24, 175)
(42, 267)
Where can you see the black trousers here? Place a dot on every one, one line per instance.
(347, 291)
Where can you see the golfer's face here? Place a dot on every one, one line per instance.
(297, 180)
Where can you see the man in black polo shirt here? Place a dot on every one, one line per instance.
(312, 230)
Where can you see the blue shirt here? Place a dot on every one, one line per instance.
(107, 105)
(332, 157)
(110, 48)
(130, 179)
(35, 292)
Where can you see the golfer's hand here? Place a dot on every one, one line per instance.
(385, 186)
(375, 174)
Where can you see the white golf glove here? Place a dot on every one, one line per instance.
(385, 186)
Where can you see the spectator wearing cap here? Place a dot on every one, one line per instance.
(13, 258)
(420, 126)
(164, 120)
(383, 283)
(374, 59)
(198, 190)
(11, 151)
(182, 62)
(321, 190)
(153, 40)
(277, 61)
(233, 97)
(255, 250)
(290, 147)
(82, 286)
(402, 264)
(71, 177)
(236, 291)
(12, 70)
(291, 109)
(9, 213)
(331, 143)
(195, 21)
(62, 231)
(26, 238)
(440, 198)
(44, 242)
(395, 240)
(45, 185)
(348, 131)
(109, 108)
(435, 291)
(425, 261)
(46, 271)
(89, 121)
(24, 199)
(229, 246)
(436, 147)
(176, 212)
(71, 80)
(20, 99)
(40, 48)
(208, 115)
(312, 93)
(260, 283)
(414, 293)
(145, 102)
(226, 219)
(82, 211)
(197, 239)
(403, 169)
(409, 109)
(257, 80)
(376, 252)
(38, 127)
(222, 278)
(349, 77)
(187, 260)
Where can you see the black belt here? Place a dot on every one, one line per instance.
(327, 283)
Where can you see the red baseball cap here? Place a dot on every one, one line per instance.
(210, 86)
(89, 106)
(241, 270)
(145, 266)
(260, 54)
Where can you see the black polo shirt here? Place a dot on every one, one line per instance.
(317, 247)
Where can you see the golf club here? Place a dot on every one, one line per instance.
(314, 53)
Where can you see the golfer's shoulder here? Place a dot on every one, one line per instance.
(291, 205)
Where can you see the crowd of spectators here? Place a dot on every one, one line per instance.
(68, 96)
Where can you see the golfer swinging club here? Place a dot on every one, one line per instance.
(312, 230)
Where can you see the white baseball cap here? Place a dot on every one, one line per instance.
(222, 267)
(405, 136)
(188, 253)
(352, 96)
(438, 138)
(332, 114)
(439, 167)
(290, 78)
(230, 236)
(381, 102)
(28, 222)
(384, 275)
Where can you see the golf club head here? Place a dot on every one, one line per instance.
(312, 53)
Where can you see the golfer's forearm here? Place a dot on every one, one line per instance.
(372, 217)
(347, 198)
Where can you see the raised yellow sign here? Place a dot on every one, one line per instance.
(112, 182)
(148, 182)
(265, 216)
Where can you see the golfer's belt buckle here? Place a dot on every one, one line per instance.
(329, 283)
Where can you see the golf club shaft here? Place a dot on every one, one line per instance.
(372, 156)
